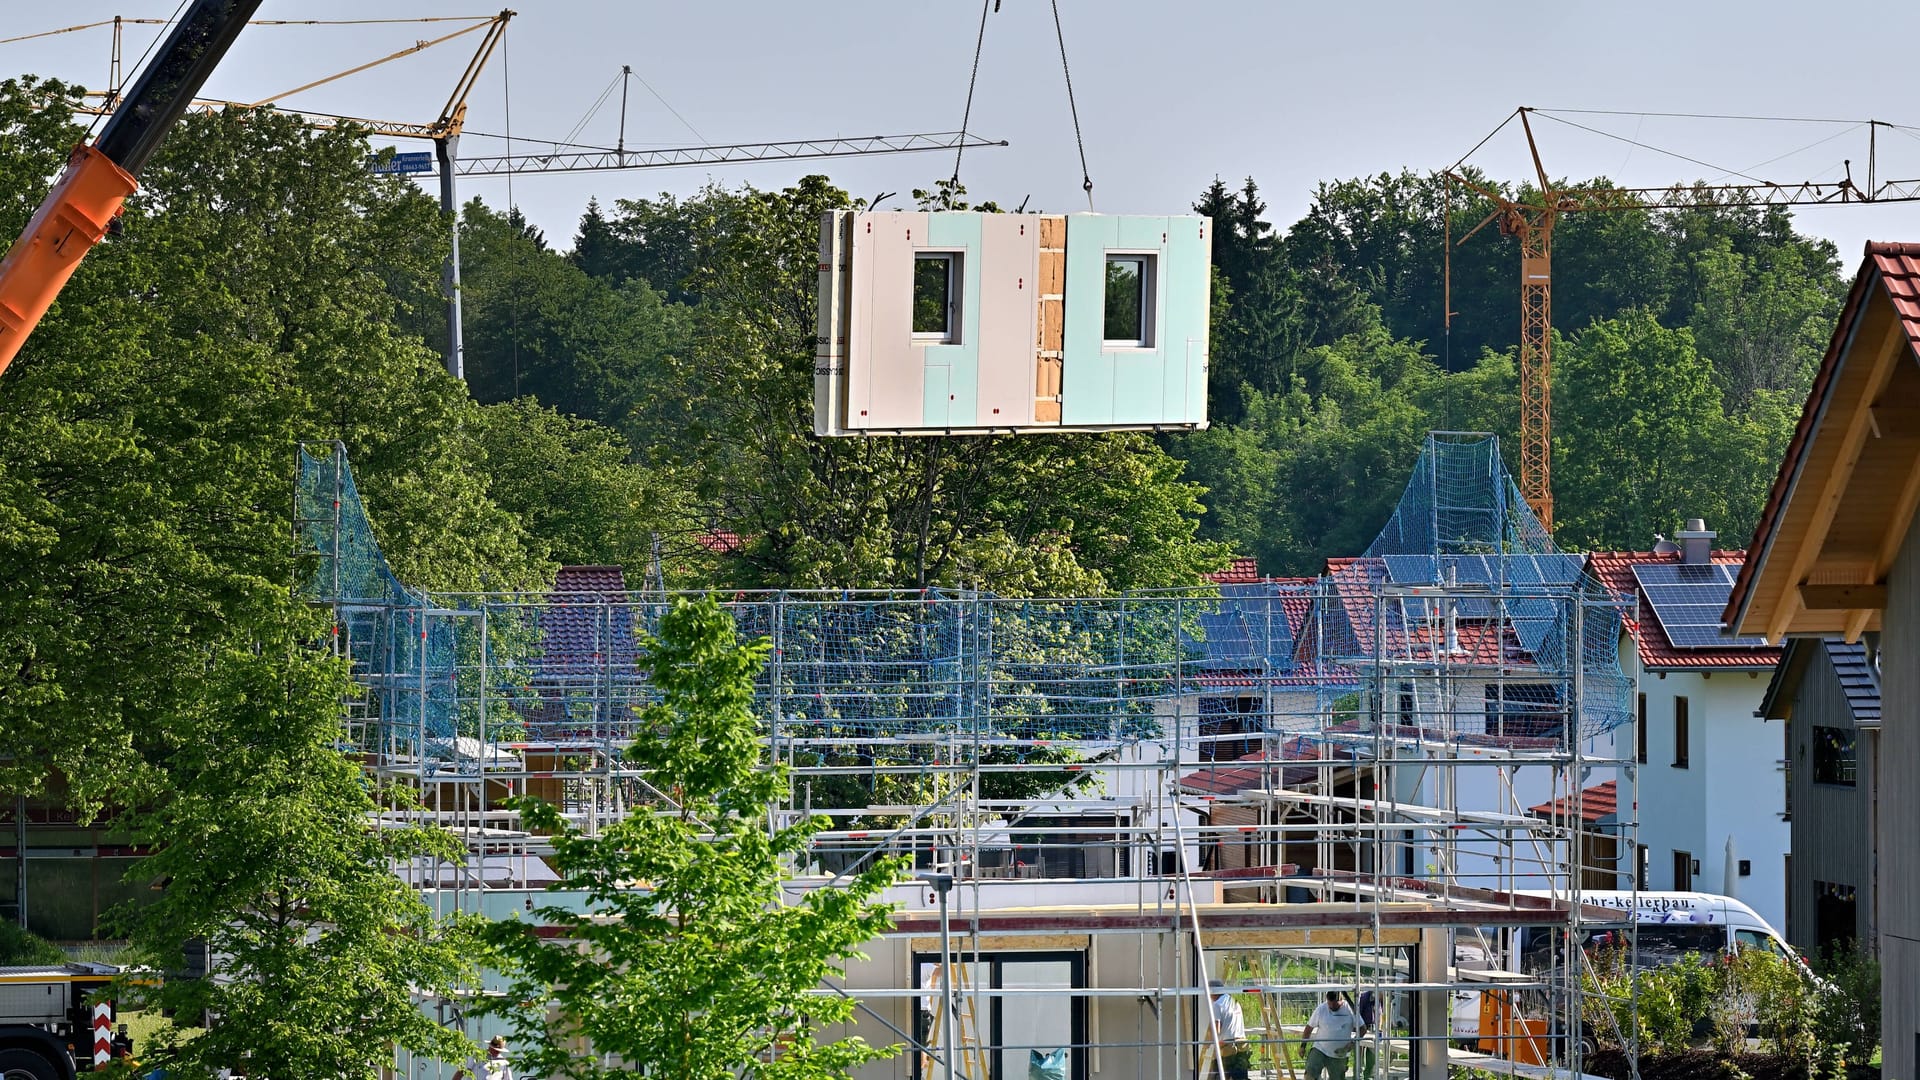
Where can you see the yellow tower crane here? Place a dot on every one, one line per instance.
(1532, 222)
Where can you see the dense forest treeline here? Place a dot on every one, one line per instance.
(1685, 341)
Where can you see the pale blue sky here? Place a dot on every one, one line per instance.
(1169, 93)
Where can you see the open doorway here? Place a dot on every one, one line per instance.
(1010, 1005)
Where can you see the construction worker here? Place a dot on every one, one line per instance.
(497, 1067)
(1331, 1034)
(1230, 1027)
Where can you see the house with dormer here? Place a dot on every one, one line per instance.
(1712, 783)
(1837, 553)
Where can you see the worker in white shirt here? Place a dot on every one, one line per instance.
(1330, 1034)
(496, 1067)
(1230, 1027)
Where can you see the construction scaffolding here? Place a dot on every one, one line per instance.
(1391, 779)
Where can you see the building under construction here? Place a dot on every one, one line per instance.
(1394, 779)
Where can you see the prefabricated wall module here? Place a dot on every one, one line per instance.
(957, 323)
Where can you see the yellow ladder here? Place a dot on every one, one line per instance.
(1275, 1047)
(1279, 1050)
(972, 1063)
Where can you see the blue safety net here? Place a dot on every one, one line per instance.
(1461, 577)
(403, 651)
(1463, 572)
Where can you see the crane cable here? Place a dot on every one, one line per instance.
(1649, 146)
(966, 114)
(592, 111)
(684, 122)
(1086, 179)
(1066, 71)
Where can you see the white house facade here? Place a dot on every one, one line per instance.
(1712, 782)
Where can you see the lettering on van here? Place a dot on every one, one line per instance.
(1644, 903)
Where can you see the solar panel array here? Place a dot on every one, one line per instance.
(1248, 631)
(1688, 600)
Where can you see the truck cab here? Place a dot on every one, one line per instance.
(54, 1021)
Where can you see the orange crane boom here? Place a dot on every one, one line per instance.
(82, 206)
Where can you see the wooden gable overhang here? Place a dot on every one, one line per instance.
(1846, 492)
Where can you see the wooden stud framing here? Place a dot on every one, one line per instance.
(1049, 350)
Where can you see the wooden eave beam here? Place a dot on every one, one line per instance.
(1896, 424)
(1842, 597)
(1831, 488)
(1901, 424)
(1904, 506)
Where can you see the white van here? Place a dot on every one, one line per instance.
(1670, 925)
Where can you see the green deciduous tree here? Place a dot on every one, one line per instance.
(539, 325)
(1764, 319)
(1266, 309)
(1314, 471)
(150, 423)
(1758, 299)
(156, 661)
(689, 963)
(573, 486)
(1643, 442)
(269, 856)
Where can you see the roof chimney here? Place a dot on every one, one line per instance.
(1696, 543)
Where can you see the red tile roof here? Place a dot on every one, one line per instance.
(590, 579)
(586, 624)
(721, 541)
(1354, 585)
(1242, 571)
(1896, 268)
(1296, 593)
(1251, 771)
(586, 630)
(1353, 582)
(1899, 266)
(1597, 802)
(1615, 571)
(1230, 779)
(1296, 599)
